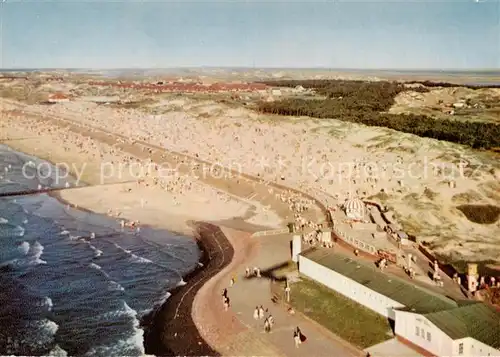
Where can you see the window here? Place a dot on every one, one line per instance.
(429, 336)
(417, 331)
(422, 333)
(460, 348)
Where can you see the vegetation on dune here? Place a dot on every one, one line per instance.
(431, 84)
(368, 102)
(482, 214)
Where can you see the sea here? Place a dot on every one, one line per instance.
(74, 282)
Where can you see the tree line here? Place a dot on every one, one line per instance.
(367, 102)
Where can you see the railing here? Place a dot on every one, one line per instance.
(271, 232)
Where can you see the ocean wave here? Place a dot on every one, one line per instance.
(41, 333)
(95, 266)
(115, 286)
(164, 299)
(58, 352)
(37, 251)
(64, 233)
(122, 249)
(47, 302)
(181, 283)
(9, 230)
(24, 248)
(132, 345)
(97, 252)
(3, 220)
(138, 259)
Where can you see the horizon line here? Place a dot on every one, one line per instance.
(258, 68)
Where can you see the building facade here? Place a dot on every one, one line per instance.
(429, 322)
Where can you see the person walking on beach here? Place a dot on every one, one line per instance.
(256, 313)
(224, 293)
(247, 272)
(267, 326)
(261, 312)
(296, 338)
(270, 318)
(287, 292)
(226, 303)
(232, 281)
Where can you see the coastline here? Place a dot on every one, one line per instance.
(161, 329)
(159, 325)
(172, 330)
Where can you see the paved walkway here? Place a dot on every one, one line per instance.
(246, 294)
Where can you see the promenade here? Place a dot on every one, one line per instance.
(251, 339)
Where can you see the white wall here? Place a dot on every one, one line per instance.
(473, 347)
(349, 288)
(440, 344)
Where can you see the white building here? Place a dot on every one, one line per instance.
(430, 323)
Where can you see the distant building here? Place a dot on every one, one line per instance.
(58, 98)
(430, 323)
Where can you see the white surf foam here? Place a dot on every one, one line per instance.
(37, 251)
(115, 286)
(47, 302)
(3, 220)
(164, 299)
(64, 233)
(41, 333)
(122, 249)
(57, 351)
(134, 342)
(24, 248)
(138, 259)
(181, 283)
(95, 266)
(97, 252)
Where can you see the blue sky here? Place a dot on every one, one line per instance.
(452, 34)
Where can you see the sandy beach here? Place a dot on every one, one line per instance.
(137, 196)
(204, 161)
(422, 180)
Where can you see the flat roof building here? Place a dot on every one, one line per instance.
(424, 320)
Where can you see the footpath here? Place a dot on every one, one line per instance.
(246, 294)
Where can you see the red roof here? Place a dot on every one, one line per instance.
(58, 96)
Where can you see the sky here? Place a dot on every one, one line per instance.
(404, 34)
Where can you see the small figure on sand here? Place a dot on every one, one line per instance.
(256, 313)
(257, 273)
(224, 293)
(267, 326)
(287, 292)
(270, 318)
(226, 303)
(247, 272)
(231, 283)
(296, 338)
(261, 312)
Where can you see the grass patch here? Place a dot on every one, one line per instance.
(344, 317)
